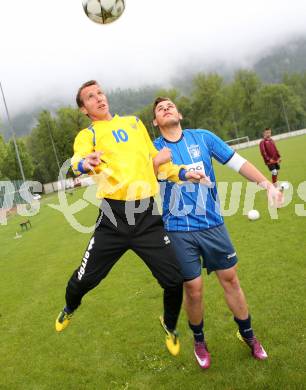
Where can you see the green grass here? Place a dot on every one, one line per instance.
(115, 341)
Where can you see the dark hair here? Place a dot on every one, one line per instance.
(267, 128)
(158, 100)
(78, 96)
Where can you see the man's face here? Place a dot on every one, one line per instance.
(95, 103)
(166, 114)
(267, 134)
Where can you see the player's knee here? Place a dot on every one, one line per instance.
(234, 284)
(194, 294)
(173, 294)
(80, 285)
(194, 289)
(230, 283)
(176, 281)
(173, 285)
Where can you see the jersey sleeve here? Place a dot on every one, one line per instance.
(219, 149)
(83, 145)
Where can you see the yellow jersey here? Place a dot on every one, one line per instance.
(126, 171)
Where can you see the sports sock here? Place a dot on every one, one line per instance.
(67, 310)
(173, 298)
(245, 327)
(274, 179)
(198, 332)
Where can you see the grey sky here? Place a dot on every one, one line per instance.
(49, 47)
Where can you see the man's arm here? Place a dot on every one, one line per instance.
(82, 147)
(85, 159)
(164, 156)
(162, 170)
(250, 172)
(91, 161)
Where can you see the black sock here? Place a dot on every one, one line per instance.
(245, 327)
(67, 310)
(198, 332)
(173, 298)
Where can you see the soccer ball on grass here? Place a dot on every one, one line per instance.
(253, 215)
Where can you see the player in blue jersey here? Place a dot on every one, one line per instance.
(192, 218)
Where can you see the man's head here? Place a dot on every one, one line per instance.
(267, 132)
(92, 101)
(165, 113)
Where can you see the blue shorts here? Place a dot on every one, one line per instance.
(213, 245)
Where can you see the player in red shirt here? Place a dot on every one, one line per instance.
(270, 154)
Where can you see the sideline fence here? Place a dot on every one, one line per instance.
(249, 144)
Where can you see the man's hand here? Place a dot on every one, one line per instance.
(198, 177)
(275, 196)
(92, 160)
(162, 157)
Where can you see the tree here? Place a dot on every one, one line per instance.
(207, 103)
(3, 154)
(68, 123)
(126, 101)
(242, 95)
(297, 82)
(51, 141)
(11, 167)
(278, 107)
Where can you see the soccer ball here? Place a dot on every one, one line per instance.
(253, 215)
(103, 11)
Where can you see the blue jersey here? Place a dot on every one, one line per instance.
(189, 206)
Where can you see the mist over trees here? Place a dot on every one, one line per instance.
(244, 106)
(289, 58)
(270, 67)
(272, 94)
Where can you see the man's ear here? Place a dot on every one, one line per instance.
(180, 116)
(83, 110)
(154, 122)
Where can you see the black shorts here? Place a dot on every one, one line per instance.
(116, 232)
(274, 166)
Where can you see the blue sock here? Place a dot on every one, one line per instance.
(245, 327)
(198, 332)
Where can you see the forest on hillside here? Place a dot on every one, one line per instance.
(244, 106)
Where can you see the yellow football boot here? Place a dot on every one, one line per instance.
(62, 320)
(172, 341)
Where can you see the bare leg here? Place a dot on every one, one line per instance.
(193, 300)
(233, 293)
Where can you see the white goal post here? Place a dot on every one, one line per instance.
(237, 142)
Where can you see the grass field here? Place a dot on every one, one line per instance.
(115, 341)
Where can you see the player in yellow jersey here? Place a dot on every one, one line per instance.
(120, 154)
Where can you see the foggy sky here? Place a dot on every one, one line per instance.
(49, 47)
